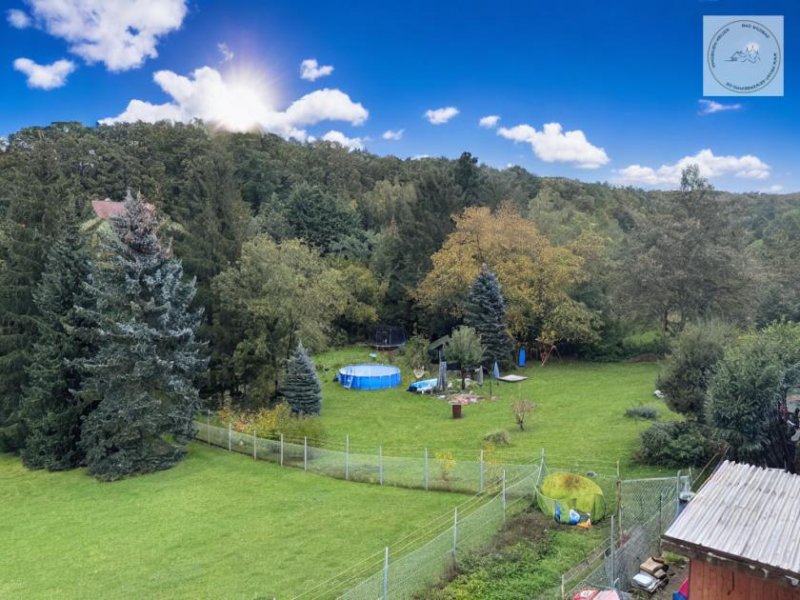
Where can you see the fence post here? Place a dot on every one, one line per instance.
(281, 449)
(230, 437)
(380, 463)
(305, 453)
(480, 490)
(254, 444)
(612, 577)
(619, 500)
(208, 428)
(347, 457)
(426, 468)
(455, 534)
(504, 493)
(677, 492)
(563, 593)
(386, 573)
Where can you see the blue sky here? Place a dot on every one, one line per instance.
(622, 80)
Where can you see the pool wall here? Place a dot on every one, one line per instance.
(369, 377)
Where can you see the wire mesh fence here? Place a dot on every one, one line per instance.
(640, 511)
(428, 471)
(646, 508)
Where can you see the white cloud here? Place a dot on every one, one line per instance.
(239, 105)
(311, 70)
(709, 107)
(710, 166)
(551, 144)
(122, 34)
(394, 135)
(774, 189)
(226, 53)
(438, 116)
(337, 137)
(489, 121)
(18, 18)
(45, 77)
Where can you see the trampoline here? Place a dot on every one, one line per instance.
(369, 377)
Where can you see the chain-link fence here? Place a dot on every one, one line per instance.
(428, 471)
(639, 511)
(646, 508)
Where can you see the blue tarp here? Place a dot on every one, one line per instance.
(422, 386)
(522, 357)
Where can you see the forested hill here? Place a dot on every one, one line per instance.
(380, 239)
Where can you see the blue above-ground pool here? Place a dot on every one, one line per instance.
(369, 377)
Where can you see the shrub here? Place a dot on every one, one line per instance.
(498, 437)
(447, 464)
(642, 412)
(648, 342)
(271, 423)
(521, 410)
(690, 364)
(676, 445)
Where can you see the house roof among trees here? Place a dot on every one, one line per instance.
(106, 209)
(745, 514)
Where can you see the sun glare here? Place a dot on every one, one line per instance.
(247, 100)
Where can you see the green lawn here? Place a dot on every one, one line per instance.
(216, 526)
(579, 414)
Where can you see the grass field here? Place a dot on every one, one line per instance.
(579, 413)
(216, 526)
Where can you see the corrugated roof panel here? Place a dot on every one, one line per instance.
(746, 511)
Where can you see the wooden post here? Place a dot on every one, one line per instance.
(305, 453)
(281, 449)
(380, 463)
(563, 593)
(612, 578)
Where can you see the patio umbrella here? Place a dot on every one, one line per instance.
(496, 370)
(479, 375)
(441, 381)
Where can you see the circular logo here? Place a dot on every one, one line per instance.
(744, 56)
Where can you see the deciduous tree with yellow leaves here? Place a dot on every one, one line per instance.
(536, 277)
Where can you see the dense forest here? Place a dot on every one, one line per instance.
(293, 243)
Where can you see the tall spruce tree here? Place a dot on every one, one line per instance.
(51, 410)
(302, 389)
(142, 376)
(33, 209)
(485, 311)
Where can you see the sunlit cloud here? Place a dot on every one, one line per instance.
(489, 121)
(121, 34)
(709, 107)
(393, 135)
(240, 102)
(18, 19)
(552, 144)
(311, 70)
(709, 165)
(45, 77)
(225, 52)
(337, 137)
(439, 116)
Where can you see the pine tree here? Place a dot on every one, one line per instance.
(142, 376)
(34, 205)
(50, 409)
(485, 311)
(302, 388)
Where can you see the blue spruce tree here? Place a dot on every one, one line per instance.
(485, 311)
(302, 389)
(143, 375)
